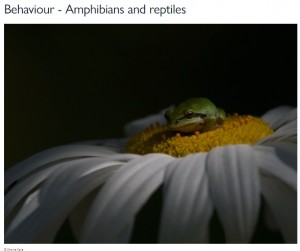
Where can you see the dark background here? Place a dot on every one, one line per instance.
(65, 83)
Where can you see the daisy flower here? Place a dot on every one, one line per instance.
(244, 171)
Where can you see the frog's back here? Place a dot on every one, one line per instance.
(203, 104)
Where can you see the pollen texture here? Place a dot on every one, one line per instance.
(235, 129)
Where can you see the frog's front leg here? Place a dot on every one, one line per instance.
(211, 124)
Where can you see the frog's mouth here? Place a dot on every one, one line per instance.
(187, 128)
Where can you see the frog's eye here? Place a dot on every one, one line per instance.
(189, 115)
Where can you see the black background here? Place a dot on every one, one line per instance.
(65, 83)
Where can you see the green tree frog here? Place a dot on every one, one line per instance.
(195, 114)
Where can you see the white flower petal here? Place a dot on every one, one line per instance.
(282, 200)
(60, 194)
(23, 187)
(187, 208)
(288, 132)
(286, 151)
(50, 157)
(289, 128)
(116, 145)
(138, 125)
(235, 190)
(15, 195)
(279, 160)
(276, 137)
(278, 116)
(26, 184)
(289, 125)
(30, 205)
(77, 216)
(113, 211)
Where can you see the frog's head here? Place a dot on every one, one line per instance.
(190, 115)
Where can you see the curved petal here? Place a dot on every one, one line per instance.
(112, 214)
(31, 204)
(58, 196)
(78, 214)
(138, 125)
(291, 125)
(286, 152)
(289, 130)
(278, 160)
(279, 116)
(19, 191)
(235, 190)
(50, 157)
(116, 145)
(282, 201)
(13, 197)
(187, 208)
(288, 133)
(278, 137)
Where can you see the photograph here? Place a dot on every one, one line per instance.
(150, 133)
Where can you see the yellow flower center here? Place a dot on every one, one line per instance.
(234, 130)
